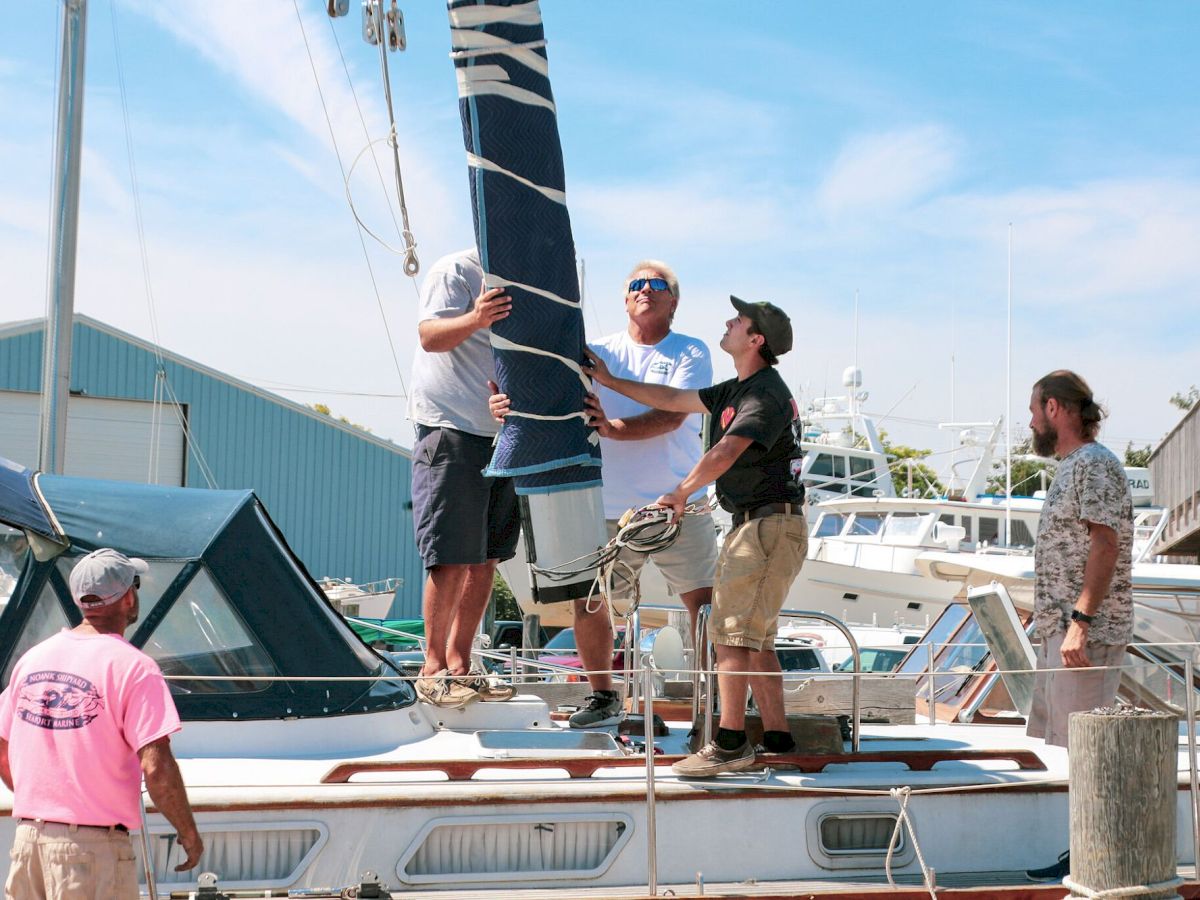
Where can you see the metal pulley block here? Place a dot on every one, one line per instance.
(377, 20)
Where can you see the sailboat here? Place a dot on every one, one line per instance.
(314, 771)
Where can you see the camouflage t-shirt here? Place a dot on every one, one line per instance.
(1090, 486)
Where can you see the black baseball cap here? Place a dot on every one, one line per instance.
(770, 321)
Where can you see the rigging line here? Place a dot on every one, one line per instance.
(903, 397)
(160, 374)
(412, 265)
(193, 447)
(363, 121)
(342, 168)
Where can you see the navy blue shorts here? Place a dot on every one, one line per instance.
(460, 517)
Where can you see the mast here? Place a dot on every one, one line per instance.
(1008, 408)
(64, 228)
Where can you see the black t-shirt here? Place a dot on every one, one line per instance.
(760, 408)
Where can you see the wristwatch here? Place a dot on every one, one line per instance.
(1077, 616)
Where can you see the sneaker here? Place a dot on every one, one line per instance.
(446, 692)
(488, 690)
(603, 708)
(1053, 873)
(711, 760)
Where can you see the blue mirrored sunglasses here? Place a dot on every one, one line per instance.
(656, 284)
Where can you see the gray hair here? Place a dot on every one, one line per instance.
(658, 266)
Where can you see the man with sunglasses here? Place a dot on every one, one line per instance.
(643, 448)
(751, 446)
(85, 717)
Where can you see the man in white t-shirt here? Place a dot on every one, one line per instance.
(464, 522)
(644, 448)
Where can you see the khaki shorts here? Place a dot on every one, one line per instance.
(65, 862)
(758, 563)
(1058, 694)
(687, 565)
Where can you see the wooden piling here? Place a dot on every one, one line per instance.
(1123, 794)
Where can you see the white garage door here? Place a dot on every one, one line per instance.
(105, 438)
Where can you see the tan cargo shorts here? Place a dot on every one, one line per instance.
(68, 862)
(1058, 694)
(755, 569)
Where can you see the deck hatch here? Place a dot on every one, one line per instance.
(535, 847)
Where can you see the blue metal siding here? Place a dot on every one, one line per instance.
(341, 499)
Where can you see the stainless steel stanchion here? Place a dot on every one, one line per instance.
(1190, 688)
(651, 822)
(147, 857)
(932, 691)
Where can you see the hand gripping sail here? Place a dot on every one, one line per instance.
(523, 232)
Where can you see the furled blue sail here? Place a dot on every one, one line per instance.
(523, 232)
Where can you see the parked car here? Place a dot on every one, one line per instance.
(875, 659)
(560, 650)
(800, 661)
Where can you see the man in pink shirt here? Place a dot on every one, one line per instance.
(85, 716)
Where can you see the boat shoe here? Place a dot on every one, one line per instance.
(1054, 872)
(489, 691)
(440, 689)
(711, 760)
(603, 708)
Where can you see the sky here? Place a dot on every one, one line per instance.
(800, 153)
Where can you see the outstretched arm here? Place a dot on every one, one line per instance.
(712, 465)
(659, 396)
(165, 785)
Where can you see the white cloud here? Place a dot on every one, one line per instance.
(878, 173)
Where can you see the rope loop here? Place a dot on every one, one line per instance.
(1136, 890)
(902, 795)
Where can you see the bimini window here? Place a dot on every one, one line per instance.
(203, 636)
(46, 618)
(13, 550)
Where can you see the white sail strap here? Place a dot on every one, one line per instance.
(476, 81)
(505, 344)
(471, 44)
(495, 281)
(483, 14)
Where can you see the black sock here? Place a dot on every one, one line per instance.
(778, 742)
(730, 740)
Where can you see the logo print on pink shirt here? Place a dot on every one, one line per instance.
(58, 700)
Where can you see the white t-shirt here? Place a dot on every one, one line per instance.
(449, 390)
(639, 472)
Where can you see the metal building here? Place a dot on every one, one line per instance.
(1175, 468)
(341, 496)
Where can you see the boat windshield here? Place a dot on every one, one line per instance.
(829, 525)
(907, 527)
(866, 524)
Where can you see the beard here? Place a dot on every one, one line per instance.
(1044, 441)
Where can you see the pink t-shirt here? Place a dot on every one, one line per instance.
(75, 714)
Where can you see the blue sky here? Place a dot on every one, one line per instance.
(784, 151)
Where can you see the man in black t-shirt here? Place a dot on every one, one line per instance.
(751, 449)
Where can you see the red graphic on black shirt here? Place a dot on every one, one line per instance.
(727, 415)
(58, 700)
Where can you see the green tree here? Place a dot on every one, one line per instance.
(925, 482)
(1027, 472)
(325, 411)
(1139, 459)
(503, 600)
(1185, 400)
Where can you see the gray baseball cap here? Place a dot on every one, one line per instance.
(770, 321)
(104, 576)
